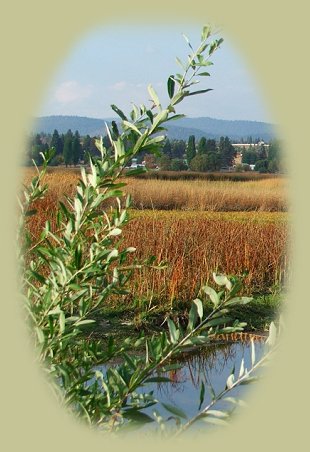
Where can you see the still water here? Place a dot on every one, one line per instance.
(211, 365)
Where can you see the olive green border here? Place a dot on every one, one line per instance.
(35, 38)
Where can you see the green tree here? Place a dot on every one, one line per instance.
(164, 162)
(178, 165)
(56, 143)
(68, 149)
(190, 149)
(227, 151)
(178, 149)
(76, 148)
(202, 146)
(261, 166)
(167, 148)
(199, 163)
(211, 146)
(262, 152)
(249, 156)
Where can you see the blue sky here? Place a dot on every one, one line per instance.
(114, 65)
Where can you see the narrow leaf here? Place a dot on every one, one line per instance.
(174, 410)
(171, 86)
(201, 91)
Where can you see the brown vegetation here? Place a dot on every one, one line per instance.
(195, 243)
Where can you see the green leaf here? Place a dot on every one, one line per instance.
(213, 420)
(131, 126)
(161, 117)
(62, 321)
(201, 395)
(212, 294)
(204, 74)
(192, 317)
(230, 381)
(174, 410)
(248, 380)
(201, 91)
(180, 63)
(178, 97)
(153, 95)
(174, 333)
(38, 276)
(218, 413)
(217, 321)
(206, 32)
(85, 322)
(119, 112)
(238, 301)
(171, 86)
(222, 280)
(30, 213)
(187, 40)
(115, 231)
(40, 335)
(198, 303)
(137, 416)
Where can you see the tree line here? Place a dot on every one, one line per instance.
(177, 155)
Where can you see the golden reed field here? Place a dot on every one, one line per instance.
(198, 227)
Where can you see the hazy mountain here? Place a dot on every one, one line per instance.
(181, 129)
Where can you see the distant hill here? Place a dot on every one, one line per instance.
(180, 129)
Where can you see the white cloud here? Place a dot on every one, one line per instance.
(71, 91)
(119, 86)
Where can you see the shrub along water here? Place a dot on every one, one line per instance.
(70, 273)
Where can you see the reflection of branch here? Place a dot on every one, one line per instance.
(242, 379)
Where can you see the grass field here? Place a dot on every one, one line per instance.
(197, 227)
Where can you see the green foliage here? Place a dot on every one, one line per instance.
(191, 149)
(68, 275)
(199, 163)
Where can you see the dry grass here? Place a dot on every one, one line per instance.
(196, 245)
(263, 195)
(267, 194)
(193, 242)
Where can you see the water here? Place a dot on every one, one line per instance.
(211, 365)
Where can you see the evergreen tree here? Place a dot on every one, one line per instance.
(76, 148)
(167, 149)
(262, 153)
(56, 143)
(202, 146)
(178, 149)
(191, 149)
(211, 146)
(67, 149)
(249, 156)
(227, 151)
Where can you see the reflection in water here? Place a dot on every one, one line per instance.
(211, 365)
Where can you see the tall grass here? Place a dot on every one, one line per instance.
(268, 194)
(196, 245)
(197, 237)
(262, 195)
